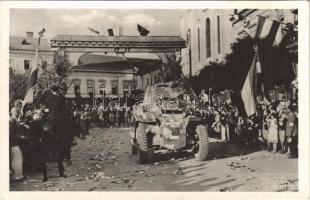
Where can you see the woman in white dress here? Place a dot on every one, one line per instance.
(273, 131)
(16, 163)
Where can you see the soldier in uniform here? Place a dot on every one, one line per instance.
(56, 105)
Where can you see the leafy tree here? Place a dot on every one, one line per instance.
(275, 63)
(17, 86)
(211, 76)
(172, 70)
(57, 73)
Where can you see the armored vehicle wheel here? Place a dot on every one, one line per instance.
(203, 143)
(144, 149)
(143, 156)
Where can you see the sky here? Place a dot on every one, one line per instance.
(76, 21)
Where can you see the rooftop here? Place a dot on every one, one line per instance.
(98, 38)
(28, 44)
(107, 63)
(132, 44)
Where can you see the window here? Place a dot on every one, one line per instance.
(127, 86)
(114, 87)
(198, 47)
(147, 81)
(90, 88)
(218, 35)
(77, 89)
(102, 89)
(26, 65)
(295, 19)
(208, 38)
(126, 89)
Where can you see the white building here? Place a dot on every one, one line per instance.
(111, 75)
(22, 53)
(210, 33)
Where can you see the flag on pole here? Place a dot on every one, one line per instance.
(142, 31)
(110, 32)
(247, 92)
(279, 37)
(266, 28)
(93, 30)
(33, 74)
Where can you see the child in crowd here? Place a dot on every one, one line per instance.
(272, 137)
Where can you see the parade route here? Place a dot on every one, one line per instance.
(103, 162)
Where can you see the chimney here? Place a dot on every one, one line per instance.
(29, 34)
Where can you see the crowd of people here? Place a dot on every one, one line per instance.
(47, 129)
(274, 126)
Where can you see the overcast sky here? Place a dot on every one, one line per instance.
(62, 21)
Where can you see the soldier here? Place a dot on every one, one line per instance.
(56, 106)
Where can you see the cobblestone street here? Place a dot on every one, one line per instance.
(103, 162)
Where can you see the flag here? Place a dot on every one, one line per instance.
(93, 30)
(33, 76)
(110, 32)
(266, 28)
(278, 38)
(247, 92)
(142, 31)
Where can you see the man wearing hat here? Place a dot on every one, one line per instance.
(56, 106)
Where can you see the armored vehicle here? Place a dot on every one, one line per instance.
(164, 121)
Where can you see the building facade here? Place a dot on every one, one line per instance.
(209, 34)
(110, 75)
(288, 16)
(22, 53)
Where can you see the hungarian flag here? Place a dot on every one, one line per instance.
(34, 74)
(110, 32)
(248, 90)
(93, 30)
(142, 31)
(266, 28)
(279, 37)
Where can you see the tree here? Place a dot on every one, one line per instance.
(58, 73)
(17, 86)
(211, 76)
(172, 70)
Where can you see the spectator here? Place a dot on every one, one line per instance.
(16, 156)
(273, 131)
(292, 132)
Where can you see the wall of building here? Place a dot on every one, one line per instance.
(17, 59)
(195, 20)
(96, 76)
(147, 79)
(252, 14)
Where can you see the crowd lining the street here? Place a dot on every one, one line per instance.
(52, 125)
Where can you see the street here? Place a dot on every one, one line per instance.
(103, 162)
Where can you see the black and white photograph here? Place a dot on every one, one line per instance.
(154, 100)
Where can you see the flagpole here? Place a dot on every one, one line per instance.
(32, 70)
